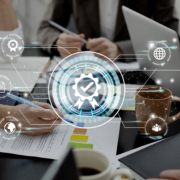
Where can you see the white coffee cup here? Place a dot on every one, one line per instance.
(96, 160)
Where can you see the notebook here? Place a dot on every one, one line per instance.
(151, 161)
(22, 74)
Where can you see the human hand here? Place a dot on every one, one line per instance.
(68, 44)
(103, 46)
(35, 121)
(169, 174)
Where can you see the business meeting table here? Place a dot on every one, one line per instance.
(15, 167)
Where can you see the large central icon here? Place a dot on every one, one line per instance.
(85, 87)
(81, 93)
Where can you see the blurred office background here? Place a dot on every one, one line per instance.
(30, 13)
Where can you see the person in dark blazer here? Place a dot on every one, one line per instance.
(101, 22)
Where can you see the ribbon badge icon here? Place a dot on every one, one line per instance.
(13, 45)
(82, 98)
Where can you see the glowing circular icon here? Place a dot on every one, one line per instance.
(159, 54)
(156, 128)
(9, 128)
(87, 89)
(12, 46)
(12, 128)
(5, 86)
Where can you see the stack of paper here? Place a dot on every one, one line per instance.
(51, 146)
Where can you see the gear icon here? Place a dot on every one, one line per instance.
(83, 98)
(13, 45)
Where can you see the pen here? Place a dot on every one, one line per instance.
(29, 103)
(65, 30)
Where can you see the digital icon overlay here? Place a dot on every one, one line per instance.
(156, 128)
(5, 86)
(2, 87)
(11, 128)
(159, 53)
(88, 87)
(12, 46)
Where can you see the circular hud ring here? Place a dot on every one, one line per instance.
(87, 87)
(159, 54)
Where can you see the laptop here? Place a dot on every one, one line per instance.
(157, 49)
(64, 168)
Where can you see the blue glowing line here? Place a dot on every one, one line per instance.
(68, 75)
(97, 68)
(109, 97)
(36, 42)
(163, 41)
(34, 128)
(174, 47)
(106, 75)
(76, 68)
(62, 85)
(70, 107)
(102, 107)
(80, 112)
(64, 97)
(91, 112)
(160, 90)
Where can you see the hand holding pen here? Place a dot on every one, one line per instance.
(68, 42)
(36, 117)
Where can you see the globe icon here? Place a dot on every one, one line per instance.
(9, 128)
(159, 53)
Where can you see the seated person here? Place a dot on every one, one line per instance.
(8, 25)
(101, 22)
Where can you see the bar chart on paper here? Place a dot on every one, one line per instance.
(79, 138)
(103, 138)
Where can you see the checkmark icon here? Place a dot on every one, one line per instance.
(87, 87)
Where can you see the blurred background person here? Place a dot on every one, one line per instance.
(101, 22)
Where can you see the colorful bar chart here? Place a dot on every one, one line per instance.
(79, 138)
(80, 131)
(80, 145)
(80, 124)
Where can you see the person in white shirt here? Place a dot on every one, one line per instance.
(10, 24)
